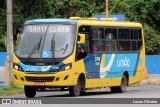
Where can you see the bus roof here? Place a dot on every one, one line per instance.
(50, 20)
(110, 23)
(87, 22)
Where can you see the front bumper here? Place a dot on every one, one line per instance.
(63, 78)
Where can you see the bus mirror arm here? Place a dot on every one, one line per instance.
(81, 39)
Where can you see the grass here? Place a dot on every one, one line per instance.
(14, 90)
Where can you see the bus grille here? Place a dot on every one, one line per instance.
(39, 79)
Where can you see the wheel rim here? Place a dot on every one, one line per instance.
(77, 89)
(123, 84)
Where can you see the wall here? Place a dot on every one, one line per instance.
(153, 64)
(3, 57)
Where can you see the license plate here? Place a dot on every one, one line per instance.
(39, 83)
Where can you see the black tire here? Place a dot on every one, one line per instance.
(75, 90)
(113, 89)
(83, 92)
(30, 92)
(122, 87)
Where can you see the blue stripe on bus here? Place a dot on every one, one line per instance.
(115, 65)
(53, 20)
(34, 68)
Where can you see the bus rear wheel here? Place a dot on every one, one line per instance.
(122, 87)
(30, 91)
(75, 90)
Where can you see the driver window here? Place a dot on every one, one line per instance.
(83, 49)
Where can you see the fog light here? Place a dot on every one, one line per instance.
(57, 78)
(15, 77)
(22, 78)
(66, 77)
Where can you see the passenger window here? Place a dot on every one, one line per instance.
(139, 45)
(121, 46)
(109, 39)
(97, 41)
(134, 34)
(98, 33)
(123, 33)
(111, 46)
(110, 33)
(127, 46)
(126, 34)
(98, 46)
(134, 46)
(139, 34)
(120, 34)
(86, 45)
(136, 39)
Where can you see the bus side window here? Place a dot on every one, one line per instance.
(83, 30)
(97, 39)
(110, 40)
(121, 48)
(81, 52)
(111, 46)
(86, 45)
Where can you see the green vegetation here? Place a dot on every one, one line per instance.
(11, 91)
(145, 11)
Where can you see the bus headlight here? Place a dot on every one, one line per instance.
(17, 67)
(65, 67)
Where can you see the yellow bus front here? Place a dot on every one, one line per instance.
(45, 54)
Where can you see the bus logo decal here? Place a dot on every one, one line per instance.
(97, 59)
(123, 62)
(45, 68)
(31, 69)
(107, 68)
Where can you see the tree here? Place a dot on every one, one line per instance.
(146, 12)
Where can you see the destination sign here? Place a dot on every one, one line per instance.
(50, 29)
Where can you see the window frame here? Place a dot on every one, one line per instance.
(140, 34)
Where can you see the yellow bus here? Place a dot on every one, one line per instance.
(78, 54)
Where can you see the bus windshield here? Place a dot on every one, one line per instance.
(46, 41)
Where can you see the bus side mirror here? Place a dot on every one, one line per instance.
(81, 39)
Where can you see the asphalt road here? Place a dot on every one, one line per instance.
(151, 91)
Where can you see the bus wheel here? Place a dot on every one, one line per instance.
(75, 90)
(82, 92)
(30, 92)
(113, 89)
(122, 87)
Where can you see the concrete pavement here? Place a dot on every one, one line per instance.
(153, 79)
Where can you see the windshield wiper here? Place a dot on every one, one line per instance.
(53, 45)
(39, 43)
(36, 46)
(65, 49)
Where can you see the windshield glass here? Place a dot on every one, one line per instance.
(46, 41)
